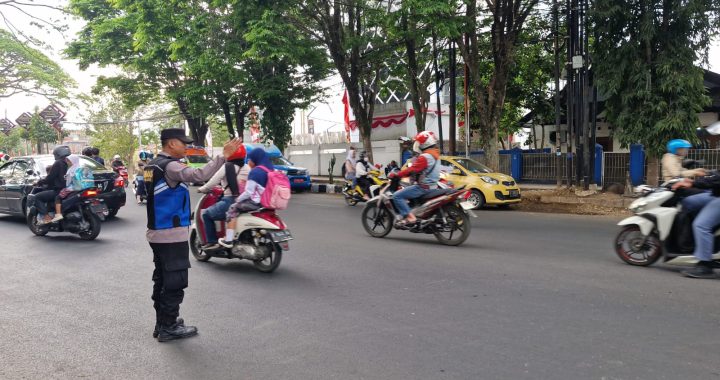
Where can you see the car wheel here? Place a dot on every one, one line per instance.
(476, 199)
(112, 212)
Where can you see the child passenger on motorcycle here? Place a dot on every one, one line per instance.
(218, 211)
(427, 167)
(249, 200)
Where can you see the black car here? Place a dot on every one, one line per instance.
(18, 175)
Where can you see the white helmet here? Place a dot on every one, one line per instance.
(424, 140)
(116, 157)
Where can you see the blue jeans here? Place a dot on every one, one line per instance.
(401, 198)
(696, 202)
(704, 228)
(213, 213)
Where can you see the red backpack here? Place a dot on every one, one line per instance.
(277, 190)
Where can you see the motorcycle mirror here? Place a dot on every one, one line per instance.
(714, 128)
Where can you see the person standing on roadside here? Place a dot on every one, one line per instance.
(168, 212)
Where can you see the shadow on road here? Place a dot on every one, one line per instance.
(12, 219)
(244, 270)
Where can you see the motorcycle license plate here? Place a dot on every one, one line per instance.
(280, 236)
(466, 205)
(514, 193)
(298, 180)
(99, 209)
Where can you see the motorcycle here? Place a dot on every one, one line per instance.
(122, 171)
(658, 229)
(261, 236)
(443, 212)
(355, 195)
(82, 212)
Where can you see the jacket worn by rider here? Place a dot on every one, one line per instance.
(168, 196)
(709, 182)
(428, 169)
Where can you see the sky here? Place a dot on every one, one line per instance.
(326, 115)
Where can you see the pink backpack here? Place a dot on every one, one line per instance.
(277, 190)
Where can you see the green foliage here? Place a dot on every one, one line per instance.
(107, 134)
(12, 142)
(645, 56)
(26, 70)
(39, 132)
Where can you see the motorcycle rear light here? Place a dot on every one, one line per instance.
(89, 193)
(271, 217)
(466, 196)
(119, 181)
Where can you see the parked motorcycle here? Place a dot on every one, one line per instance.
(261, 236)
(83, 214)
(443, 212)
(355, 195)
(122, 171)
(659, 229)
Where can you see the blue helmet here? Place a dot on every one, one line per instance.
(674, 145)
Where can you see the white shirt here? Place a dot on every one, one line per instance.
(219, 179)
(360, 169)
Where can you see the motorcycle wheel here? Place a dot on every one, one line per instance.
(32, 224)
(270, 263)
(197, 252)
(378, 222)
(459, 224)
(630, 248)
(95, 225)
(350, 201)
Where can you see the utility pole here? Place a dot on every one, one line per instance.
(453, 98)
(466, 77)
(559, 135)
(438, 87)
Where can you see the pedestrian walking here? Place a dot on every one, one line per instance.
(168, 212)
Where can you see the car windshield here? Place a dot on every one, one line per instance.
(473, 166)
(280, 161)
(198, 159)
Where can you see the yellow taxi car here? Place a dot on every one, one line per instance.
(488, 187)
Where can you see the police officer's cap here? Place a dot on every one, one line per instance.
(175, 133)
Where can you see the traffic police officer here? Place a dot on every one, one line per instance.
(168, 211)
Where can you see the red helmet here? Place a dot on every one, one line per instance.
(424, 140)
(239, 154)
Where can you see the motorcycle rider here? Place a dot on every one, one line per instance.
(426, 166)
(116, 162)
(672, 161)
(87, 151)
(168, 212)
(250, 198)
(96, 156)
(232, 177)
(349, 166)
(139, 180)
(55, 181)
(361, 174)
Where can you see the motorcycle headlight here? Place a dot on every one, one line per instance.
(638, 205)
(489, 180)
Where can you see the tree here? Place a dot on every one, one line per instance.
(25, 70)
(12, 142)
(109, 132)
(506, 21)
(644, 56)
(39, 132)
(350, 31)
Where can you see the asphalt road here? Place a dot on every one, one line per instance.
(529, 296)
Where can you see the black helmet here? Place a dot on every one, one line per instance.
(95, 151)
(87, 151)
(61, 152)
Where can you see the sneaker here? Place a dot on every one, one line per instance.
(156, 332)
(210, 247)
(176, 331)
(703, 269)
(225, 243)
(57, 218)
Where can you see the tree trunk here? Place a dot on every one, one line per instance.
(198, 125)
(653, 170)
(240, 114)
(413, 82)
(228, 116)
(534, 136)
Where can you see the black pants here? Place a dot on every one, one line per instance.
(42, 199)
(364, 183)
(170, 277)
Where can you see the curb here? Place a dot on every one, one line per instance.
(323, 188)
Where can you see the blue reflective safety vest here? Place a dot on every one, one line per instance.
(167, 207)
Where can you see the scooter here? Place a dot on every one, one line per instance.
(122, 171)
(261, 236)
(83, 214)
(443, 212)
(656, 229)
(355, 195)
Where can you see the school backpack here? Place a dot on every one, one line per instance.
(83, 179)
(277, 190)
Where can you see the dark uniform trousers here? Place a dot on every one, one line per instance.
(170, 278)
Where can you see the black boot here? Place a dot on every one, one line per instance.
(703, 269)
(176, 331)
(156, 332)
